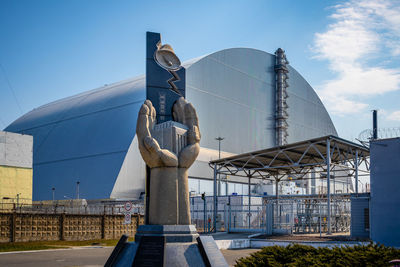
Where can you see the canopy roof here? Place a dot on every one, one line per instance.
(297, 158)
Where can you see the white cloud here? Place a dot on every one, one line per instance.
(394, 116)
(361, 32)
(341, 105)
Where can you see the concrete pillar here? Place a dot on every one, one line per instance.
(13, 226)
(103, 226)
(62, 220)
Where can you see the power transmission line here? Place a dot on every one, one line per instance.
(11, 88)
(2, 122)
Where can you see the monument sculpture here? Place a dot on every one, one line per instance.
(169, 195)
(168, 137)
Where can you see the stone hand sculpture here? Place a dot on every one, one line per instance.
(169, 190)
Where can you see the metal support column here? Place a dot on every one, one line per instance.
(226, 186)
(205, 213)
(277, 201)
(219, 139)
(356, 171)
(249, 215)
(328, 176)
(215, 198)
(229, 215)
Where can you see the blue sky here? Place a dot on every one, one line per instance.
(348, 51)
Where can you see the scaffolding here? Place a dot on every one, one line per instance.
(281, 96)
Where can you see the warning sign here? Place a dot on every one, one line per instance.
(128, 218)
(128, 206)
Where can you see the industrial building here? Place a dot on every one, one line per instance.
(385, 199)
(15, 169)
(252, 99)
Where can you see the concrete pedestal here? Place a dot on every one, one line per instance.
(182, 247)
(172, 233)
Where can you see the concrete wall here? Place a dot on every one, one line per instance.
(20, 227)
(15, 150)
(15, 168)
(13, 181)
(385, 186)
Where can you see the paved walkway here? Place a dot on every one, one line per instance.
(231, 255)
(82, 256)
(97, 256)
(94, 256)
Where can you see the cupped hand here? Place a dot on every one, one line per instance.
(149, 148)
(153, 155)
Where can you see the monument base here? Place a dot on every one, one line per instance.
(166, 245)
(172, 233)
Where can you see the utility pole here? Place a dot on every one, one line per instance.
(54, 190)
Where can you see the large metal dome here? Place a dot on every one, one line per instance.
(90, 137)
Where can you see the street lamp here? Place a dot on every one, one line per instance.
(54, 190)
(217, 191)
(219, 139)
(77, 189)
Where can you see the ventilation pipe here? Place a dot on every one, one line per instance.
(375, 124)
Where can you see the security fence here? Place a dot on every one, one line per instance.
(74, 221)
(304, 216)
(233, 213)
(71, 207)
(295, 215)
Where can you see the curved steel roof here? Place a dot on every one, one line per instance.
(82, 138)
(87, 137)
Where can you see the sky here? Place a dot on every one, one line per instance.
(348, 51)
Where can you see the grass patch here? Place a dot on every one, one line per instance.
(38, 245)
(302, 255)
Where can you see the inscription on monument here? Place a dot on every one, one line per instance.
(150, 252)
(162, 99)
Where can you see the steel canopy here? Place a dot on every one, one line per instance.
(297, 158)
